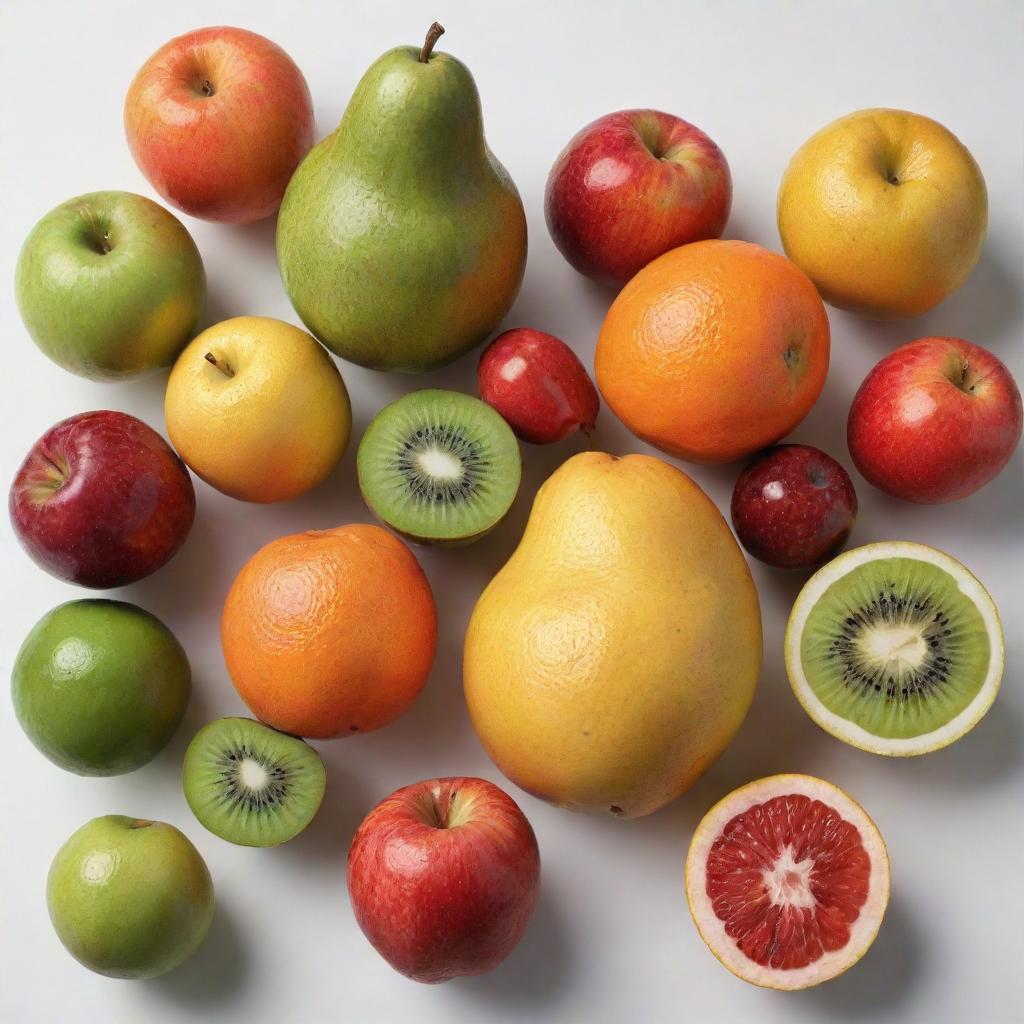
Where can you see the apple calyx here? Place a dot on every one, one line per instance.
(49, 475)
(434, 33)
(651, 137)
(221, 364)
(444, 809)
(961, 374)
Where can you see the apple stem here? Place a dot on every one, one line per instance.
(221, 365)
(591, 435)
(433, 34)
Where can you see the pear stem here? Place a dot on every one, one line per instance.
(433, 34)
(221, 365)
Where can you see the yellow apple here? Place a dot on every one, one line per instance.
(257, 408)
(885, 211)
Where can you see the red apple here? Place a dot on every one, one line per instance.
(934, 421)
(631, 186)
(793, 506)
(217, 120)
(538, 385)
(443, 877)
(101, 500)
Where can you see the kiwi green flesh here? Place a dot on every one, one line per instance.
(250, 784)
(896, 647)
(439, 466)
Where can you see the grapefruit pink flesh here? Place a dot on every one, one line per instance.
(787, 880)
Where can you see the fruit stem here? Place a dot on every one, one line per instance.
(433, 34)
(221, 365)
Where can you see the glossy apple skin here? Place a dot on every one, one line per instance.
(793, 506)
(217, 120)
(129, 898)
(935, 421)
(443, 876)
(631, 186)
(101, 500)
(110, 285)
(538, 385)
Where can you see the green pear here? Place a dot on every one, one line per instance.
(401, 239)
(129, 898)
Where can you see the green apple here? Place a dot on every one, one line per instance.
(129, 898)
(110, 285)
(100, 686)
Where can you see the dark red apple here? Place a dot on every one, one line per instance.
(217, 120)
(443, 877)
(934, 421)
(101, 500)
(793, 506)
(632, 185)
(538, 385)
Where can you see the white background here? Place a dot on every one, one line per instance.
(611, 939)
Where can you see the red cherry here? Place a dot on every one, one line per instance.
(793, 506)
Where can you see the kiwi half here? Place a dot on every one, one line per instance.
(895, 648)
(439, 467)
(250, 784)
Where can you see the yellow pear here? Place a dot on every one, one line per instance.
(257, 408)
(615, 655)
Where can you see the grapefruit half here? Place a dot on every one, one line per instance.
(787, 879)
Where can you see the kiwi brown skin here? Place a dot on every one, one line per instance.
(213, 766)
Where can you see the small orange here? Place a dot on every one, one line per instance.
(714, 350)
(330, 632)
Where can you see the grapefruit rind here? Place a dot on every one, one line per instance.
(711, 927)
(849, 732)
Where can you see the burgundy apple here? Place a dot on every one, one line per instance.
(101, 500)
(632, 185)
(443, 877)
(793, 506)
(934, 421)
(538, 385)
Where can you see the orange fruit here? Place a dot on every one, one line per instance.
(330, 632)
(714, 350)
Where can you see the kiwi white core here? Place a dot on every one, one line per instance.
(440, 465)
(896, 645)
(252, 775)
(899, 644)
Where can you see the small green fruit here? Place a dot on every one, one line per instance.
(129, 898)
(100, 686)
(110, 285)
